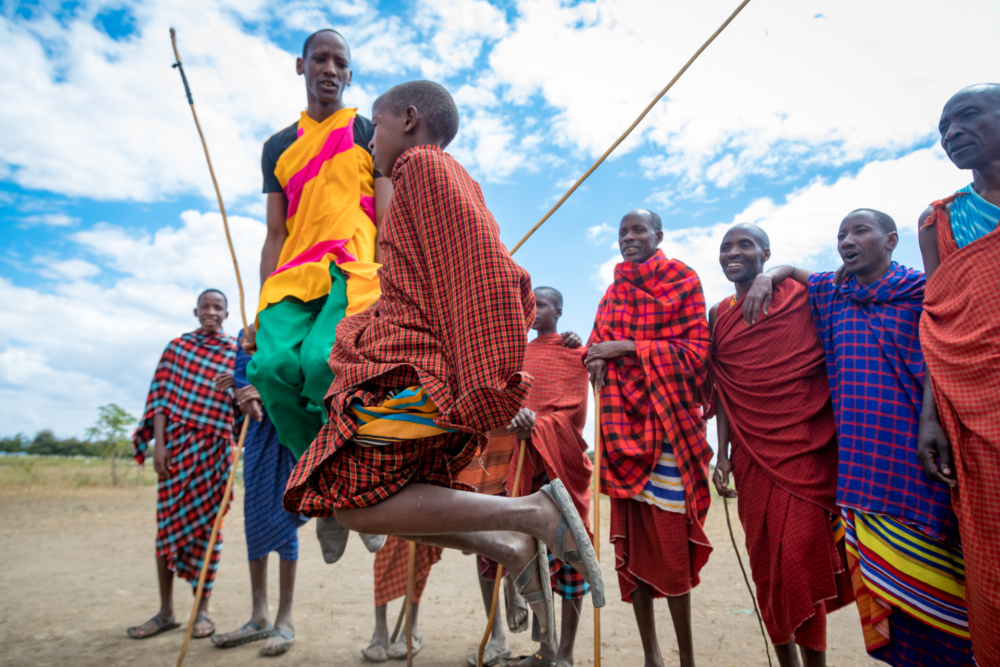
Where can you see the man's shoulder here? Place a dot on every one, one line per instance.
(279, 142)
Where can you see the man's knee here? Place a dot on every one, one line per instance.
(353, 519)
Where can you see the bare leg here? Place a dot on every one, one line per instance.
(203, 625)
(381, 635)
(258, 590)
(498, 636)
(680, 613)
(286, 591)
(165, 580)
(788, 655)
(642, 605)
(570, 623)
(813, 658)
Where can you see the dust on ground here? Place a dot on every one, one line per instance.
(77, 568)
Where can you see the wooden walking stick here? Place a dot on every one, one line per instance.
(246, 421)
(635, 123)
(596, 499)
(408, 603)
(497, 583)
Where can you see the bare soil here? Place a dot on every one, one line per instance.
(77, 568)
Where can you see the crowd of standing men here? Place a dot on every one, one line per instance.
(856, 409)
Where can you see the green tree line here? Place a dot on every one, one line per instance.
(108, 438)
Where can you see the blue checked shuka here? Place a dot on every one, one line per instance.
(267, 465)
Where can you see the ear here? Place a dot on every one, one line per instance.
(195, 311)
(766, 255)
(558, 313)
(226, 315)
(300, 66)
(412, 117)
(350, 76)
(659, 237)
(891, 241)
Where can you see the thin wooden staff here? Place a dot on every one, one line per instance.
(497, 583)
(634, 124)
(596, 499)
(408, 604)
(246, 421)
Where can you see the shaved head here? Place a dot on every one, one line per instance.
(651, 217)
(758, 234)
(432, 100)
(988, 92)
(885, 223)
(312, 38)
(552, 294)
(970, 128)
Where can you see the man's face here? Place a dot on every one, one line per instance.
(863, 245)
(389, 140)
(637, 239)
(740, 256)
(546, 312)
(211, 311)
(327, 68)
(970, 129)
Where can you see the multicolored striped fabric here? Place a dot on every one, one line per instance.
(972, 217)
(664, 488)
(876, 370)
(919, 575)
(408, 414)
(329, 183)
(199, 438)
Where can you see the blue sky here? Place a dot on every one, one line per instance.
(800, 112)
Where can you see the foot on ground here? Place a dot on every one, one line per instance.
(495, 654)
(376, 651)
(249, 632)
(154, 626)
(398, 650)
(203, 626)
(279, 642)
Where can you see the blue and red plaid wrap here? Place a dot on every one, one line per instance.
(871, 337)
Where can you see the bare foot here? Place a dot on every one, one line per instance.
(203, 626)
(517, 610)
(525, 550)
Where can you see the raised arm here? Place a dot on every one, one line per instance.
(758, 299)
(933, 448)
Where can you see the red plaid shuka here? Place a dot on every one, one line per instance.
(960, 338)
(654, 394)
(559, 397)
(391, 563)
(200, 423)
(771, 379)
(453, 318)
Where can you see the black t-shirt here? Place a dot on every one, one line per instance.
(279, 143)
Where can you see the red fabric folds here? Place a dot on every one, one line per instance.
(960, 338)
(559, 397)
(654, 395)
(391, 563)
(772, 381)
(450, 319)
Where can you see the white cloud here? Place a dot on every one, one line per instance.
(51, 219)
(778, 91)
(66, 350)
(69, 269)
(598, 234)
(803, 228)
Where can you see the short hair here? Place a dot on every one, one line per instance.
(311, 38)
(756, 231)
(434, 103)
(886, 223)
(552, 293)
(217, 291)
(654, 219)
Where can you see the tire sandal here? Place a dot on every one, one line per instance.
(493, 655)
(248, 632)
(163, 623)
(516, 602)
(539, 565)
(287, 635)
(202, 616)
(583, 558)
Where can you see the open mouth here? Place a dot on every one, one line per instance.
(630, 250)
(851, 257)
(328, 85)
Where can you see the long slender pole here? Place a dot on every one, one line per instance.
(497, 582)
(246, 421)
(596, 499)
(410, 571)
(634, 124)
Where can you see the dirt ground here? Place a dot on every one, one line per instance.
(76, 568)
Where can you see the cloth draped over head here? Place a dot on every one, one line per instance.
(655, 393)
(559, 398)
(184, 390)
(961, 343)
(328, 181)
(794, 438)
(452, 320)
